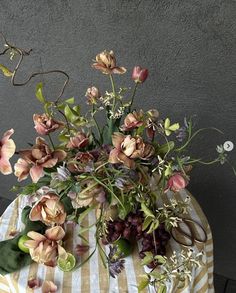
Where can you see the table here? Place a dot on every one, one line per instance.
(92, 277)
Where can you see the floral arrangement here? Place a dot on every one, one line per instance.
(118, 171)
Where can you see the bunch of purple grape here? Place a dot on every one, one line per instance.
(131, 229)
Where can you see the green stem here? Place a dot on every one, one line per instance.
(133, 95)
(98, 128)
(49, 136)
(202, 162)
(196, 133)
(114, 92)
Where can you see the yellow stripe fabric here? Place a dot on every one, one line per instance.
(81, 280)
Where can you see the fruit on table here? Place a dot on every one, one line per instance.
(21, 244)
(123, 247)
(67, 264)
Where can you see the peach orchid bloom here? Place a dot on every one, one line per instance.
(49, 210)
(44, 248)
(7, 150)
(49, 287)
(106, 63)
(34, 160)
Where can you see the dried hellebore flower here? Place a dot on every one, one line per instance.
(128, 148)
(79, 141)
(44, 248)
(132, 120)
(139, 75)
(176, 182)
(106, 62)
(49, 210)
(92, 95)
(33, 160)
(7, 150)
(45, 124)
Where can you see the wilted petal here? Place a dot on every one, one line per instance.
(55, 233)
(117, 139)
(113, 156)
(5, 166)
(49, 287)
(22, 169)
(7, 135)
(36, 236)
(50, 163)
(119, 70)
(59, 154)
(36, 172)
(8, 149)
(125, 160)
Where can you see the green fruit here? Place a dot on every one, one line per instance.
(67, 264)
(123, 246)
(21, 243)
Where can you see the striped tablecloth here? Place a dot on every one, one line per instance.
(92, 276)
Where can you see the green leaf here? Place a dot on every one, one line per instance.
(143, 283)
(46, 106)
(160, 259)
(162, 289)
(147, 222)
(6, 71)
(165, 148)
(70, 100)
(174, 127)
(39, 93)
(71, 114)
(146, 210)
(147, 259)
(169, 128)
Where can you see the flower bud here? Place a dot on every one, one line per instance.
(92, 95)
(176, 182)
(139, 75)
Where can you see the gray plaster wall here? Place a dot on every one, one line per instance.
(189, 48)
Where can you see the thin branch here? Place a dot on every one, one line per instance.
(23, 53)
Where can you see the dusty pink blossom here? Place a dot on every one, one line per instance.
(128, 148)
(44, 248)
(45, 124)
(106, 63)
(133, 120)
(176, 182)
(49, 210)
(7, 150)
(34, 160)
(139, 74)
(80, 140)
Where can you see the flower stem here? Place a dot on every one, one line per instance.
(98, 128)
(49, 136)
(114, 92)
(133, 95)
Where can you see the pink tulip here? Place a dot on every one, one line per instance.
(49, 210)
(7, 150)
(176, 182)
(44, 248)
(139, 75)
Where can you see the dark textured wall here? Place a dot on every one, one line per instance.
(189, 47)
